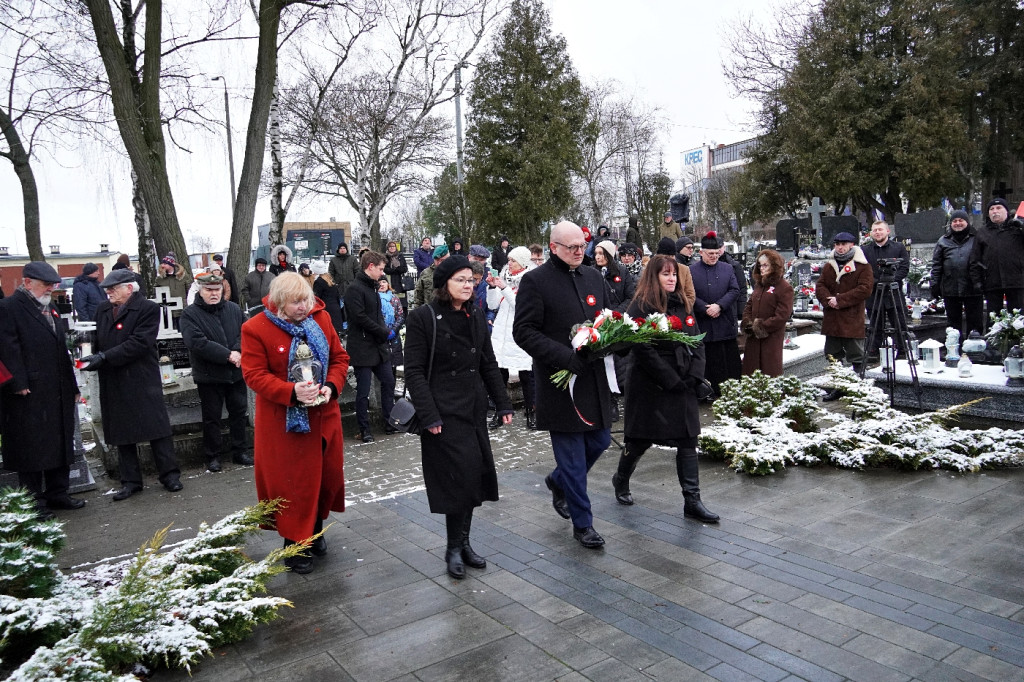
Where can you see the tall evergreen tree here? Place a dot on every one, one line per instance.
(523, 138)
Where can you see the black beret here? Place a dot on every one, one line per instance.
(448, 267)
(116, 277)
(42, 271)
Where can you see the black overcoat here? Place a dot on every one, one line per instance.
(332, 301)
(131, 393)
(367, 342)
(210, 334)
(551, 300)
(38, 428)
(660, 397)
(458, 467)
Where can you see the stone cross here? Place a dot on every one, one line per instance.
(816, 210)
(168, 304)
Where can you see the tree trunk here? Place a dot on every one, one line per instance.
(29, 191)
(138, 121)
(147, 253)
(256, 136)
(276, 210)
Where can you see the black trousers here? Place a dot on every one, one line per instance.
(526, 383)
(364, 382)
(163, 455)
(723, 362)
(212, 398)
(50, 484)
(958, 307)
(1014, 299)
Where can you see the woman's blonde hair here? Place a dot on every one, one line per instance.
(287, 287)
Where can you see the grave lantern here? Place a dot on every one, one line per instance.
(801, 304)
(1014, 367)
(307, 368)
(888, 356)
(930, 355)
(167, 375)
(974, 346)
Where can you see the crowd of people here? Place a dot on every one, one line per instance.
(471, 317)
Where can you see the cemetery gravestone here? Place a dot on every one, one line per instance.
(924, 227)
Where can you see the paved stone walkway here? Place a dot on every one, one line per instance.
(815, 574)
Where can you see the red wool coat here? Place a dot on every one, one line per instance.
(773, 305)
(298, 467)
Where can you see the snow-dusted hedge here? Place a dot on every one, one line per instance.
(765, 424)
(167, 607)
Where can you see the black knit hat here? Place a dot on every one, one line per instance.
(683, 241)
(448, 267)
(998, 201)
(89, 268)
(710, 241)
(261, 261)
(666, 246)
(959, 213)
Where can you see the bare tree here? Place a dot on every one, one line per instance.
(377, 129)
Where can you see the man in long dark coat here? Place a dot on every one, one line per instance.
(131, 392)
(551, 299)
(38, 402)
(368, 338)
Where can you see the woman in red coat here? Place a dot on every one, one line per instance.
(299, 450)
(765, 316)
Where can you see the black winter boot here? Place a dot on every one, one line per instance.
(319, 546)
(531, 418)
(689, 479)
(631, 455)
(453, 555)
(469, 557)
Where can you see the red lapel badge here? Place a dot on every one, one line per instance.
(120, 326)
(591, 300)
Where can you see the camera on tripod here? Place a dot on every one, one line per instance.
(887, 269)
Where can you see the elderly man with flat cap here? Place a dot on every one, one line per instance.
(131, 392)
(37, 417)
(551, 299)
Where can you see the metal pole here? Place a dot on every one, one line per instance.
(458, 149)
(227, 131)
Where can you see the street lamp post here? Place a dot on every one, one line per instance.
(227, 130)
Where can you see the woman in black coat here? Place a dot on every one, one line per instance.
(131, 391)
(458, 467)
(661, 391)
(326, 291)
(618, 278)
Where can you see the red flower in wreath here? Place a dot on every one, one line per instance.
(616, 315)
(639, 321)
(591, 300)
(675, 323)
(690, 321)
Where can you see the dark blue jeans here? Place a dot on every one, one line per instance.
(575, 453)
(364, 382)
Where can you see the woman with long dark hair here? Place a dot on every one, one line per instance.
(450, 370)
(765, 315)
(661, 394)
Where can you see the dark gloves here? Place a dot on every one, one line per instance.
(577, 365)
(92, 362)
(704, 389)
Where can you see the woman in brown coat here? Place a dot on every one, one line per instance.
(765, 316)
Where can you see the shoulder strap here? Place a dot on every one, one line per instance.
(433, 343)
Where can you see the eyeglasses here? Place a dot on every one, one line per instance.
(462, 280)
(575, 248)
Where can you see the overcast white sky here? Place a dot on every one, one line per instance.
(669, 53)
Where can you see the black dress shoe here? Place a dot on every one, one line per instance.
(300, 563)
(365, 436)
(213, 464)
(557, 497)
(243, 458)
(390, 430)
(126, 491)
(173, 485)
(65, 502)
(453, 557)
(319, 546)
(44, 514)
(588, 537)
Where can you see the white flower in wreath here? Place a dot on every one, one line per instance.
(995, 329)
(1018, 323)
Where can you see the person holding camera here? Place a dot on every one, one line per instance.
(845, 284)
(882, 248)
(997, 260)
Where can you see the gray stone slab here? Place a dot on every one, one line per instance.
(634, 653)
(510, 659)
(794, 664)
(801, 621)
(405, 604)
(554, 640)
(319, 668)
(892, 655)
(983, 665)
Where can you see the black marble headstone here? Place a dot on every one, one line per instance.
(174, 349)
(924, 227)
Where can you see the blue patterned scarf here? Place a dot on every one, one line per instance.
(297, 416)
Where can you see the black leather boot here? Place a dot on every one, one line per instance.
(689, 479)
(319, 546)
(495, 422)
(531, 419)
(300, 563)
(453, 555)
(469, 557)
(631, 454)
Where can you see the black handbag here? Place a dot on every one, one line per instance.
(403, 414)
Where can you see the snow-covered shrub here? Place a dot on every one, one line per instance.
(168, 607)
(760, 396)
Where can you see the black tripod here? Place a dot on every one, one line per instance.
(888, 292)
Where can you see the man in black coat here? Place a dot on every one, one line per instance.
(212, 330)
(997, 260)
(551, 299)
(38, 402)
(131, 391)
(884, 248)
(229, 276)
(368, 338)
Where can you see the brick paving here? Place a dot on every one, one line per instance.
(814, 574)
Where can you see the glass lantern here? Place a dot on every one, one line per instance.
(974, 346)
(1013, 365)
(888, 356)
(167, 375)
(306, 368)
(930, 360)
